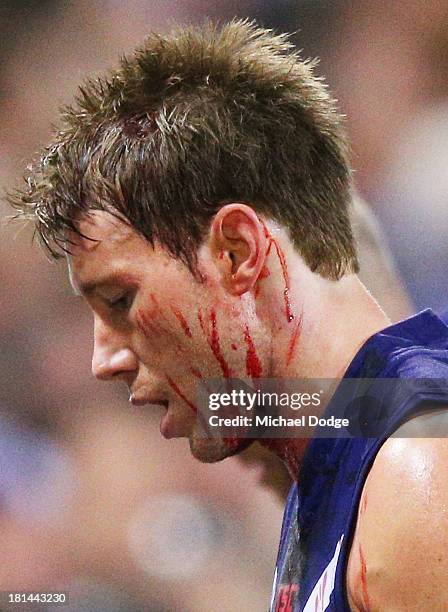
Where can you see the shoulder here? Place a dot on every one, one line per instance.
(399, 554)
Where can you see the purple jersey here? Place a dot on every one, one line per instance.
(321, 512)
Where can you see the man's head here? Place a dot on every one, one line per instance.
(188, 178)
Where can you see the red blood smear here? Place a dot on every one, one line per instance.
(180, 394)
(264, 273)
(231, 443)
(182, 321)
(293, 341)
(196, 373)
(282, 260)
(363, 577)
(145, 325)
(216, 347)
(281, 257)
(221, 255)
(214, 343)
(253, 365)
(234, 346)
(201, 322)
(268, 237)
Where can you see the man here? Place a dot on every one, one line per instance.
(202, 193)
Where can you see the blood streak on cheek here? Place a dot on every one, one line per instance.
(293, 340)
(201, 322)
(180, 317)
(148, 321)
(180, 394)
(363, 579)
(216, 347)
(146, 325)
(253, 363)
(214, 342)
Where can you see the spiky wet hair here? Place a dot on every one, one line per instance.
(194, 119)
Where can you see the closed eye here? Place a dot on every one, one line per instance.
(122, 303)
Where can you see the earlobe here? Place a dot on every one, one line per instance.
(238, 247)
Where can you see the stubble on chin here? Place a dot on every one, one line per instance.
(212, 450)
(208, 450)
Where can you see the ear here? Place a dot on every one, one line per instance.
(238, 247)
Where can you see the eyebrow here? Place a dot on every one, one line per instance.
(89, 287)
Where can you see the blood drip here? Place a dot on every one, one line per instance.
(216, 347)
(213, 341)
(177, 313)
(145, 325)
(284, 267)
(180, 394)
(293, 341)
(234, 346)
(363, 578)
(268, 236)
(253, 364)
(281, 257)
(201, 322)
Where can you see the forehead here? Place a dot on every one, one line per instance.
(107, 245)
(113, 250)
(101, 229)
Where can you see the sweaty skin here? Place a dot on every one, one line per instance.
(399, 557)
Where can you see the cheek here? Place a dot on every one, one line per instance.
(195, 342)
(165, 327)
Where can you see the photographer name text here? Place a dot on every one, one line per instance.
(277, 421)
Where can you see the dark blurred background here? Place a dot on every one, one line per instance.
(91, 499)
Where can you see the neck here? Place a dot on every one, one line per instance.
(290, 450)
(337, 317)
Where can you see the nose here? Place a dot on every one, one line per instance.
(111, 358)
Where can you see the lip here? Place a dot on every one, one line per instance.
(167, 426)
(139, 399)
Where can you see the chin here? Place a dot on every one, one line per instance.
(211, 450)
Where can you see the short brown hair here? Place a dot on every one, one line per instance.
(192, 120)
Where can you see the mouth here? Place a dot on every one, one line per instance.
(141, 400)
(167, 426)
